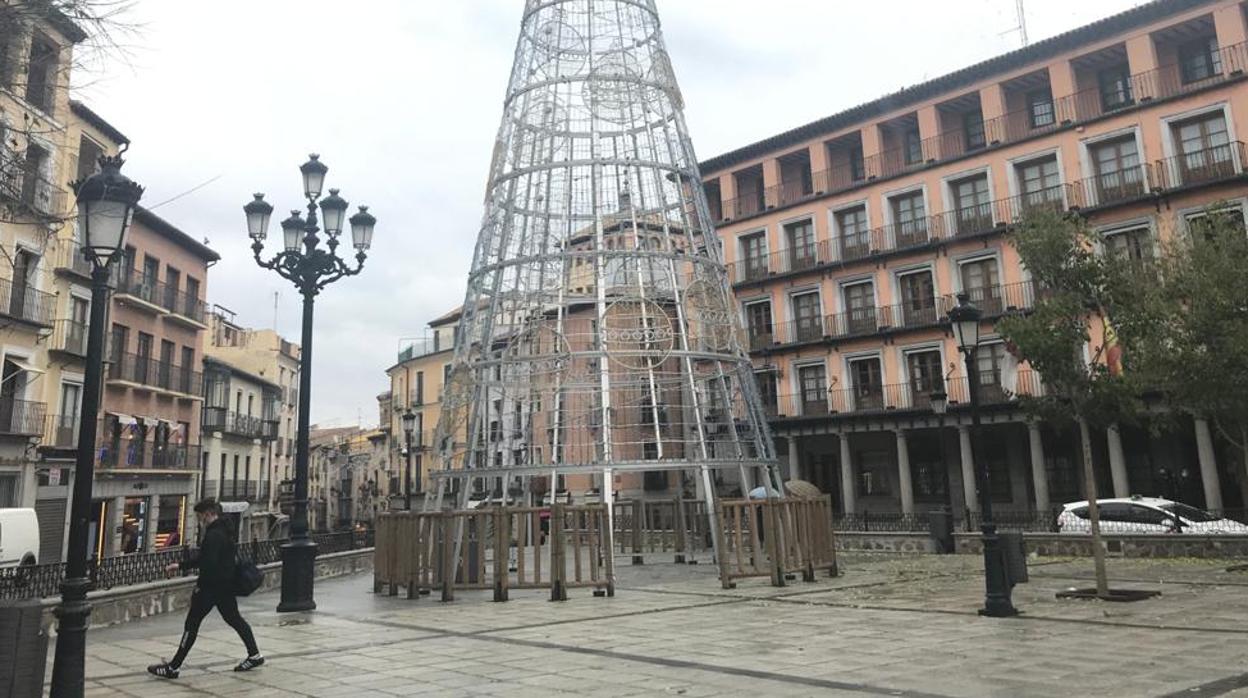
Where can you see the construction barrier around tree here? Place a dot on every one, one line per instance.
(499, 548)
(775, 538)
(676, 527)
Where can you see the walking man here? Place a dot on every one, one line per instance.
(214, 587)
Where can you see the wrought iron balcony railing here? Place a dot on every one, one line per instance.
(143, 370)
(69, 336)
(129, 454)
(1111, 188)
(1206, 166)
(24, 302)
(61, 431)
(25, 186)
(22, 417)
(994, 389)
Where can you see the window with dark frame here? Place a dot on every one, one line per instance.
(766, 381)
(800, 237)
(1199, 60)
(857, 164)
(808, 325)
(974, 206)
(973, 130)
(855, 237)
(868, 384)
(913, 146)
(812, 381)
(758, 320)
(754, 253)
(1134, 244)
(859, 307)
(910, 218)
(1040, 181)
(980, 281)
(1115, 87)
(918, 298)
(1040, 108)
(925, 372)
(1118, 173)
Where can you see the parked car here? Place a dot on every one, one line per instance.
(19, 537)
(1146, 515)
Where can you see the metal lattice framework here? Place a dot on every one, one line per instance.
(598, 331)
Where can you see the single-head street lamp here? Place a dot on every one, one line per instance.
(965, 319)
(409, 424)
(940, 401)
(258, 213)
(313, 176)
(310, 267)
(106, 203)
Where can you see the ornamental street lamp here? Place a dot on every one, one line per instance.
(965, 319)
(409, 423)
(310, 267)
(106, 203)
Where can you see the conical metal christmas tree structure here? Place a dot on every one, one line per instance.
(598, 334)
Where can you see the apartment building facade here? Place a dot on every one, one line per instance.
(265, 354)
(240, 423)
(848, 239)
(347, 473)
(37, 162)
(417, 380)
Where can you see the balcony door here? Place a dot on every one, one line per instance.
(925, 376)
(767, 390)
(151, 271)
(813, 382)
(12, 385)
(23, 269)
(807, 324)
(855, 237)
(1118, 174)
(990, 359)
(974, 213)
(980, 281)
(860, 308)
(754, 255)
(868, 383)
(166, 363)
(1040, 183)
(143, 358)
(758, 321)
(909, 219)
(1204, 149)
(918, 298)
(801, 241)
(67, 423)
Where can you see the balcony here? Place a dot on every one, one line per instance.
(26, 303)
(1111, 188)
(236, 424)
(1083, 106)
(141, 371)
(21, 417)
(916, 314)
(182, 306)
(141, 291)
(994, 390)
(132, 455)
(69, 259)
(61, 431)
(25, 186)
(1207, 166)
(69, 337)
(237, 490)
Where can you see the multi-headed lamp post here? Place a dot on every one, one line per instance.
(409, 423)
(965, 319)
(310, 267)
(106, 203)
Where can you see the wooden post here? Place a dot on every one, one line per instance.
(680, 530)
(639, 510)
(502, 546)
(773, 541)
(722, 557)
(558, 591)
(446, 530)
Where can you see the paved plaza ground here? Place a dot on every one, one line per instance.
(890, 625)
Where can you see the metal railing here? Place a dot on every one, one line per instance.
(70, 337)
(1084, 105)
(993, 301)
(143, 455)
(69, 256)
(221, 419)
(26, 302)
(1205, 166)
(61, 431)
(888, 522)
(182, 303)
(22, 184)
(1111, 188)
(904, 396)
(129, 282)
(41, 581)
(24, 417)
(152, 372)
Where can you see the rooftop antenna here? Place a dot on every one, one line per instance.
(1022, 21)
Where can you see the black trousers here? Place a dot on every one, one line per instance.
(202, 603)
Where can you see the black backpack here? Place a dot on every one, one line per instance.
(247, 578)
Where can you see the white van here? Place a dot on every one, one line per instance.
(19, 537)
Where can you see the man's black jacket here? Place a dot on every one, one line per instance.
(214, 558)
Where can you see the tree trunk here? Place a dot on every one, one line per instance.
(1243, 477)
(1094, 514)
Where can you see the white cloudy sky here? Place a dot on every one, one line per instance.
(402, 99)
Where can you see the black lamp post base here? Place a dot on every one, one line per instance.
(298, 573)
(998, 609)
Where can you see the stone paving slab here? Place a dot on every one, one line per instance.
(891, 625)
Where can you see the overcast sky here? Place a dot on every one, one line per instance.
(402, 100)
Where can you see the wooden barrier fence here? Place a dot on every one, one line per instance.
(775, 538)
(499, 548)
(675, 526)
